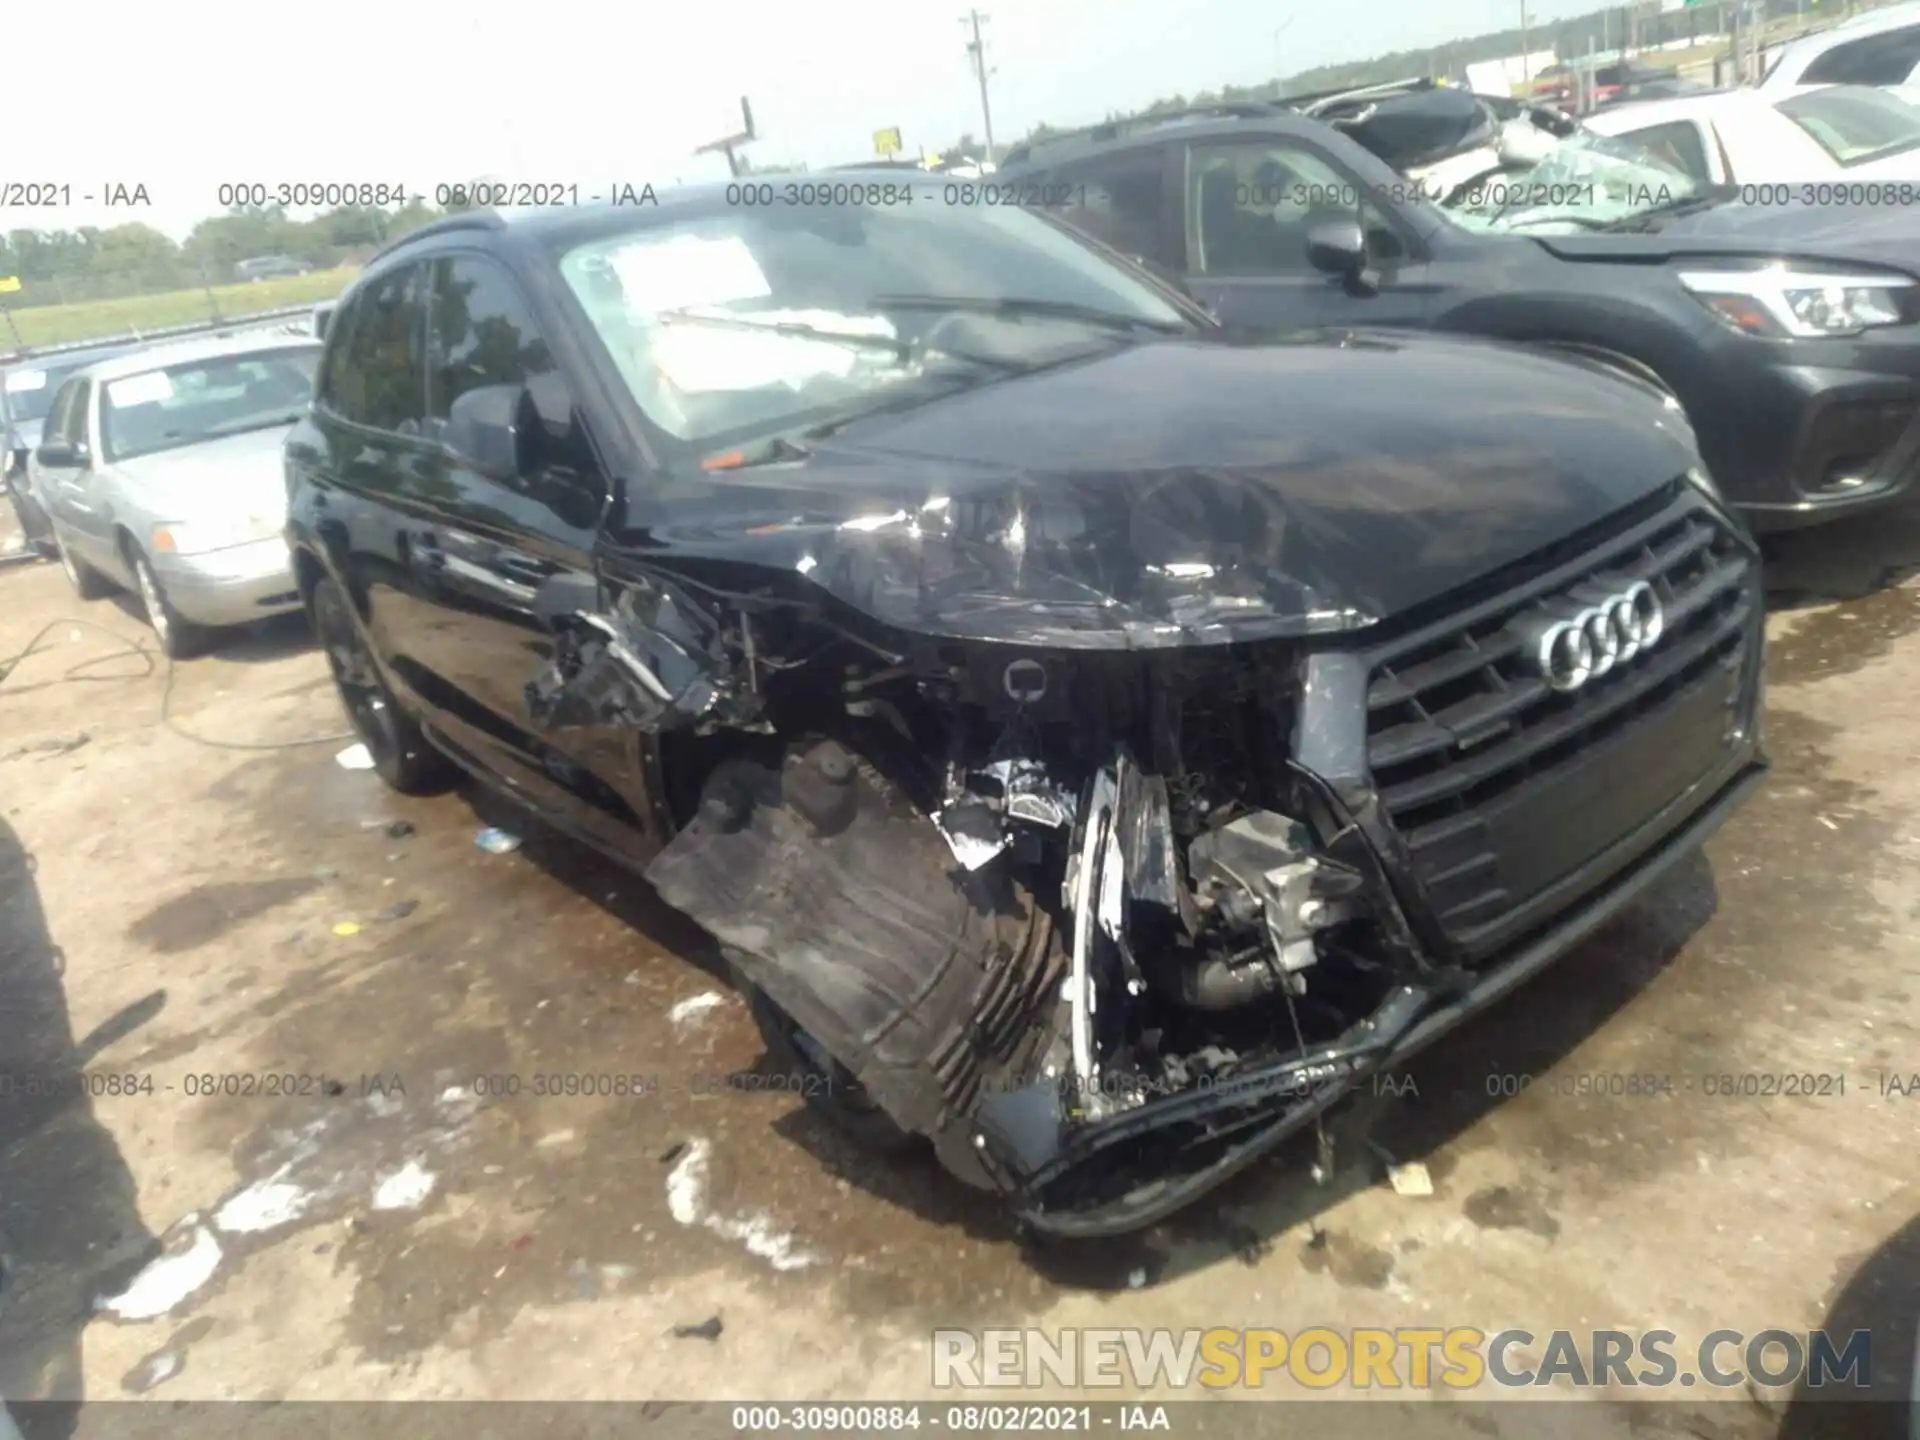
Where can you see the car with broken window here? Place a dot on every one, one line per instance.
(1097, 745)
(1845, 138)
(160, 473)
(1786, 326)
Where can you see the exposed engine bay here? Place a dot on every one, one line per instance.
(1073, 915)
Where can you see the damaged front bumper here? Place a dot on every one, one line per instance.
(1034, 1147)
(1109, 940)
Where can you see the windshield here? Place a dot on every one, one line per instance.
(1854, 124)
(1587, 181)
(200, 400)
(755, 322)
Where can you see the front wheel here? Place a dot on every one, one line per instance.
(401, 753)
(180, 639)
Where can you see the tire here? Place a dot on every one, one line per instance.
(402, 755)
(826, 1085)
(88, 583)
(180, 638)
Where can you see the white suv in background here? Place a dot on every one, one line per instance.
(1881, 47)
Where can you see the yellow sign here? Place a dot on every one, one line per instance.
(9, 284)
(887, 142)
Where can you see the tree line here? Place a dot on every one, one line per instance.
(62, 266)
(1642, 26)
(57, 267)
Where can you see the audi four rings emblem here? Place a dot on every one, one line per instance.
(1607, 633)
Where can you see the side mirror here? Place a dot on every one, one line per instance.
(61, 453)
(1339, 247)
(488, 428)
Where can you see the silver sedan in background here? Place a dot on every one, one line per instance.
(161, 473)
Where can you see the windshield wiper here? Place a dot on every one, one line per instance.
(772, 451)
(1025, 305)
(901, 349)
(1686, 205)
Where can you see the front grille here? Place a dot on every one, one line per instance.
(1501, 787)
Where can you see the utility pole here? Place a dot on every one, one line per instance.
(1526, 48)
(977, 53)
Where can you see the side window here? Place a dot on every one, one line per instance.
(74, 428)
(55, 426)
(377, 378)
(1888, 58)
(1251, 204)
(1117, 199)
(326, 389)
(1679, 144)
(481, 332)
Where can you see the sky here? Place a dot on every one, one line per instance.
(595, 92)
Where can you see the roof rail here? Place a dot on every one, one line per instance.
(193, 330)
(1323, 99)
(1110, 129)
(465, 220)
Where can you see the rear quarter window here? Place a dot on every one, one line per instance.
(1888, 58)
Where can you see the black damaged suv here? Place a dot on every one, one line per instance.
(1096, 745)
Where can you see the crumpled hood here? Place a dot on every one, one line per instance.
(234, 475)
(1860, 234)
(1197, 492)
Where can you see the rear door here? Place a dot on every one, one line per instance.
(1249, 203)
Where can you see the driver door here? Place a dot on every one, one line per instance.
(1249, 204)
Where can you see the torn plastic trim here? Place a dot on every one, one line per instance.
(1083, 875)
(1427, 1013)
(658, 662)
(1319, 1080)
(982, 823)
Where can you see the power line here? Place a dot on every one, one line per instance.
(977, 53)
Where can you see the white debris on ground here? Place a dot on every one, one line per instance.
(695, 1006)
(687, 1202)
(406, 1189)
(1410, 1179)
(264, 1205)
(168, 1281)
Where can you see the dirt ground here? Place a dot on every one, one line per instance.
(195, 916)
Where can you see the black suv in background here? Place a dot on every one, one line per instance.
(1789, 331)
(1096, 745)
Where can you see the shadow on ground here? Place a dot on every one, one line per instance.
(1842, 560)
(1881, 1297)
(260, 643)
(70, 1228)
